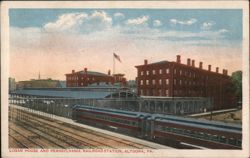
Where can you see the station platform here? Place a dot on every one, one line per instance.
(213, 112)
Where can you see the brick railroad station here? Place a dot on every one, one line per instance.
(86, 78)
(175, 79)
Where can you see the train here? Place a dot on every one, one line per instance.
(165, 129)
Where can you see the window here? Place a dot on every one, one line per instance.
(167, 81)
(167, 92)
(159, 91)
(214, 137)
(180, 82)
(167, 71)
(180, 72)
(141, 82)
(174, 71)
(200, 135)
(153, 72)
(154, 92)
(239, 142)
(153, 81)
(175, 92)
(232, 141)
(174, 81)
(141, 73)
(223, 139)
(147, 82)
(141, 92)
(160, 82)
(147, 72)
(160, 71)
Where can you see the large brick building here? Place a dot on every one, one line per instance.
(175, 79)
(86, 78)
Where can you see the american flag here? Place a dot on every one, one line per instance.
(117, 57)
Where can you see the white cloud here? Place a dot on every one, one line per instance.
(138, 21)
(185, 22)
(157, 23)
(173, 21)
(80, 22)
(119, 15)
(223, 31)
(207, 25)
(102, 16)
(98, 25)
(65, 22)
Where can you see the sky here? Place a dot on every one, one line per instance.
(56, 41)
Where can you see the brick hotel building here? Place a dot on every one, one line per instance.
(175, 79)
(85, 78)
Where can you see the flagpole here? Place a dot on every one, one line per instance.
(113, 64)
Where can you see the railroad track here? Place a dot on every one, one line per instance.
(14, 143)
(23, 140)
(57, 133)
(73, 135)
(32, 134)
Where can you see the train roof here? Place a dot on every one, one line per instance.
(112, 111)
(200, 123)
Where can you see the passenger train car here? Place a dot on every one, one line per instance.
(162, 128)
(131, 123)
(209, 134)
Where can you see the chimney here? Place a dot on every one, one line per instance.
(109, 72)
(217, 69)
(209, 67)
(188, 62)
(225, 72)
(200, 66)
(145, 62)
(85, 70)
(178, 59)
(193, 63)
(73, 71)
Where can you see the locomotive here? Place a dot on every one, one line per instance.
(162, 128)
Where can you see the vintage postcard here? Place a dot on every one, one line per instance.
(125, 79)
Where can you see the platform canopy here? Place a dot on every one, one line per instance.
(77, 94)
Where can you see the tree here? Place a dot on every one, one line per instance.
(237, 84)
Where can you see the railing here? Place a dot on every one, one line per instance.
(63, 106)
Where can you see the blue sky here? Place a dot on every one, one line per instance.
(229, 19)
(83, 37)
